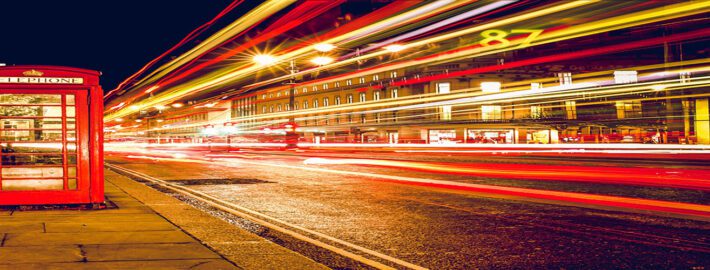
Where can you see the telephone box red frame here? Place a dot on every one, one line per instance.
(84, 85)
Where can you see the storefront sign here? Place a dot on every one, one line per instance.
(41, 80)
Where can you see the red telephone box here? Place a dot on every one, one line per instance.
(51, 132)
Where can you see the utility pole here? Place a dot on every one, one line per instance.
(290, 127)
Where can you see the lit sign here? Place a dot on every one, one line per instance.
(41, 80)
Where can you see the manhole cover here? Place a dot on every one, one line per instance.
(220, 181)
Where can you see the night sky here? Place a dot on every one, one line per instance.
(114, 37)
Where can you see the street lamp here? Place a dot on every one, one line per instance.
(267, 60)
(324, 47)
(291, 136)
(264, 59)
(322, 60)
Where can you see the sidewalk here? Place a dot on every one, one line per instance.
(148, 230)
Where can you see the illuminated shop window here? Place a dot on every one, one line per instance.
(491, 112)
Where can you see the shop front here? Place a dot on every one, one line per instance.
(493, 136)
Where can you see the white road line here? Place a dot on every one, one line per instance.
(260, 219)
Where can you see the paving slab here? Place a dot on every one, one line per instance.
(194, 264)
(243, 248)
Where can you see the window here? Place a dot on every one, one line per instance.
(304, 90)
(305, 104)
(363, 98)
(625, 76)
(263, 109)
(337, 100)
(490, 87)
(336, 84)
(315, 103)
(295, 105)
(278, 94)
(315, 88)
(362, 80)
(325, 86)
(349, 98)
(363, 118)
(271, 95)
(443, 88)
(535, 112)
(378, 117)
(326, 102)
(350, 118)
(535, 86)
(376, 95)
(393, 74)
(376, 77)
(628, 109)
(263, 96)
(565, 78)
(571, 109)
(444, 111)
(288, 107)
(271, 109)
(286, 92)
(393, 93)
(278, 109)
(491, 112)
(349, 82)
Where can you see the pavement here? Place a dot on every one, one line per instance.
(147, 230)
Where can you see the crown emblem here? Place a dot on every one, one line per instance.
(33, 73)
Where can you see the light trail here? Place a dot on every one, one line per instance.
(676, 178)
(686, 210)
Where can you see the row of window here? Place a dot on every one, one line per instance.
(324, 86)
(376, 95)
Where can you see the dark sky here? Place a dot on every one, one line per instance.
(116, 37)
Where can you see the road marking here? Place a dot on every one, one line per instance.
(264, 221)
